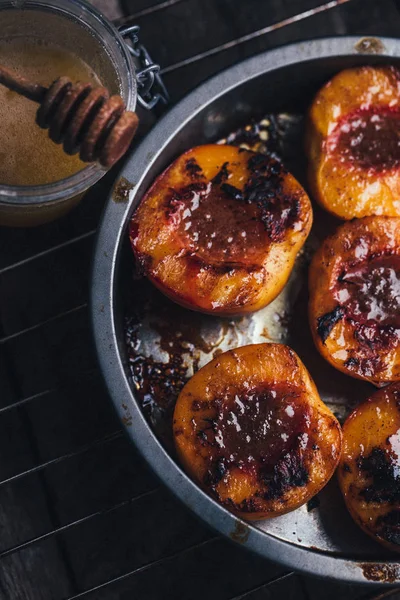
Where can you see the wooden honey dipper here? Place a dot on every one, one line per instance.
(81, 117)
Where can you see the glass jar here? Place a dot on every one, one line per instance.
(79, 28)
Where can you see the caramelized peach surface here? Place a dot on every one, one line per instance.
(353, 141)
(369, 469)
(250, 428)
(354, 305)
(220, 229)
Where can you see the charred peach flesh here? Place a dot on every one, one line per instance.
(220, 229)
(369, 470)
(353, 141)
(250, 428)
(355, 299)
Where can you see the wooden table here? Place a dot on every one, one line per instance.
(81, 516)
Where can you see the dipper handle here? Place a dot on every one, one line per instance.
(82, 118)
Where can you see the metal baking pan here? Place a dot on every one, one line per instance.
(320, 538)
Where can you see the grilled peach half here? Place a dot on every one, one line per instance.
(369, 469)
(353, 143)
(355, 299)
(250, 428)
(219, 230)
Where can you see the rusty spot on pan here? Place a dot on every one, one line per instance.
(369, 45)
(380, 572)
(126, 417)
(121, 190)
(241, 533)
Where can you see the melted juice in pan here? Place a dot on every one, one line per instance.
(166, 344)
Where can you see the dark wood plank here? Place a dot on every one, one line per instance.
(74, 490)
(153, 527)
(8, 393)
(61, 422)
(71, 417)
(20, 244)
(359, 17)
(216, 570)
(202, 25)
(34, 575)
(289, 587)
(60, 351)
(54, 283)
(131, 9)
(104, 476)
(24, 513)
(316, 586)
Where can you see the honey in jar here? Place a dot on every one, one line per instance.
(27, 155)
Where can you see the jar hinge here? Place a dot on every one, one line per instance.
(151, 89)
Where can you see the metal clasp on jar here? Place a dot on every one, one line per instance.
(151, 88)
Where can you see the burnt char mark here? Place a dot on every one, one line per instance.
(346, 468)
(396, 396)
(375, 336)
(186, 192)
(206, 437)
(385, 486)
(219, 269)
(250, 135)
(371, 366)
(157, 384)
(222, 174)
(176, 198)
(352, 363)
(264, 188)
(193, 168)
(289, 472)
(275, 135)
(373, 340)
(232, 191)
(388, 527)
(200, 405)
(143, 264)
(215, 473)
(250, 505)
(260, 163)
(275, 224)
(326, 323)
(202, 435)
